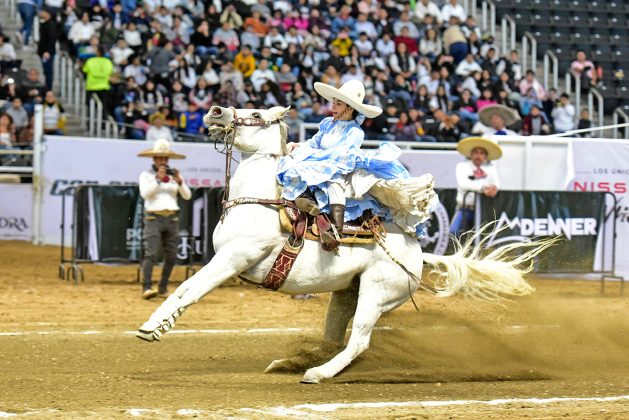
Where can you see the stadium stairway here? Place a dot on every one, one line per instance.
(10, 25)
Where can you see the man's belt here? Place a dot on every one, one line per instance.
(164, 213)
(470, 207)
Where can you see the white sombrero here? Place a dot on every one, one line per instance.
(161, 148)
(507, 114)
(465, 147)
(352, 93)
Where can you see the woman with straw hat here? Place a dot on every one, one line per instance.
(477, 175)
(159, 187)
(320, 166)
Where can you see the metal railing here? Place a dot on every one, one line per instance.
(38, 130)
(600, 109)
(577, 89)
(470, 7)
(508, 26)
(620, 113)
(526, 38)
(550, 57)
(489, 6)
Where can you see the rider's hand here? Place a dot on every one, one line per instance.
(292, 146)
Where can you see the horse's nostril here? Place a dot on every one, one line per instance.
(216, 111)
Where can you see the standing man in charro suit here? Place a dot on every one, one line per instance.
(475, 175)
(159, 187)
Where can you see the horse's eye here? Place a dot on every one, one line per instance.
(257, 115)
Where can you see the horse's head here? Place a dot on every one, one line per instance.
(249, 130)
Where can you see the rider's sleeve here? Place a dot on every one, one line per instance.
(463, 181)
(315, 141)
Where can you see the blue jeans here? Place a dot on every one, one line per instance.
(27, 13)
(458, 51)
(48, 67)
(462, 221)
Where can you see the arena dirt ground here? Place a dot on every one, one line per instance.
(67, 351)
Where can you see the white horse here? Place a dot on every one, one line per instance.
(364, 280)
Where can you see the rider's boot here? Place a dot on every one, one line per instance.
(307, 205)
(162, 320)
(338, 216)
(331, 238)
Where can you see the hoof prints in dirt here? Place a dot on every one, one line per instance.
(392, 377)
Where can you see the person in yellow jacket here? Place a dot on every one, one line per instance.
(98, 70)
(245, 61)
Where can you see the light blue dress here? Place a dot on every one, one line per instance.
(333, 153)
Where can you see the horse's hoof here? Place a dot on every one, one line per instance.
(311, 377)
(146, 336)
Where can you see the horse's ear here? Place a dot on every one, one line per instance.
(281, 112)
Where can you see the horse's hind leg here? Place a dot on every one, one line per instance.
(341, 309)
(379, 292)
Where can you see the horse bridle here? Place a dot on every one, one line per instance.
(228, 140)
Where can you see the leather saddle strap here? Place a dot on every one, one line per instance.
(287, 256)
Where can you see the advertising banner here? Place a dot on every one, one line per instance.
(605, 167)
(523, 215)
(108, 224)
(73, 161)
(16, 212)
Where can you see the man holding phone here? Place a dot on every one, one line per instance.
(159, 187)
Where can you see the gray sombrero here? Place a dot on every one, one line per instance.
(508, 115)
(352, 93)
(465, 147)
(161, 148)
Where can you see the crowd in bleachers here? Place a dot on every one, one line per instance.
(159, 65)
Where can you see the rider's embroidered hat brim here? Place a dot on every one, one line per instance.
(352, 93)
(508, 115)
(465, 147)
(161, 148)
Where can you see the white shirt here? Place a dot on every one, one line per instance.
(81, 32)
(160, 196)
(563, 118)
(465, 68)
(259, 77)
(154, 133)
(465, 170)
(430, 9)
(453, 10)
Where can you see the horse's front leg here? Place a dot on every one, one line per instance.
(232, 258)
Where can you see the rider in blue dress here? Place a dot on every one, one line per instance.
(322, 164)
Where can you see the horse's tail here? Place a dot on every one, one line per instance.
(491, 277)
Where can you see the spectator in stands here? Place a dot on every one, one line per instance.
(54, 115)
(343, 42)
(402, 63)
(159, 187)
(7, 132)
(244, 61)
(497, 118)
(229, 73)
(467, 66)
(98, 70)
(133, 37)
(81, 31)
(405, 38)
(18, 114)
(157, 130)
(191, 121)
(563, 114)
(47, 46)
(31, 90)
(585, 69)
(404, 21)
(136, 119)
(27, 10)
(364, 25)
(257, 24)
(511, 66)
(404, 129)
(530, 81)
(466, 107)
(427, 7)
(528, 101)
(453, 9)
(159, 59)
(486, 98)
(477, 175)
(261, 75)
(136, 70)
(585, 122)
(201, 96)
(120, 53)
(454, 40)
(227, 36)
(535, 123)
(7, 54)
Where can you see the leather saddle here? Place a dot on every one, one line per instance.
(354, 232)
